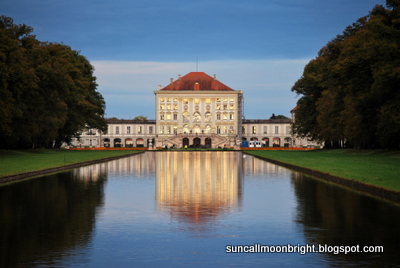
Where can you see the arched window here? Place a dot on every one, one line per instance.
(196, 117)
(185, 129)
(196, 129)
(139, 142)
(208, 129)
(185, 117)
(207, 117)
(276, 142)
(265, 142)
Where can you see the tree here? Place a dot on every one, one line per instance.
(48, 90)
(140, 118)
(350, 91)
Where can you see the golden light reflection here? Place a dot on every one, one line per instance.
(197, 187)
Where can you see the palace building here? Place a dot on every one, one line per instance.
(195, 110)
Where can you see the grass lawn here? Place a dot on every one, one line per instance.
(13, 162)
(375, 167)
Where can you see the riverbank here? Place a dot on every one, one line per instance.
(19, 164)
(372, 171)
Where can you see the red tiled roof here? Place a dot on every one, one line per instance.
(196, 81)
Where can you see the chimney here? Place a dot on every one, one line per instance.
(172, 80)
(159, 87)
(215, 77)
(179, 77)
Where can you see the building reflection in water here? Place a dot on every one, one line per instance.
(136, 166)
(197, 187)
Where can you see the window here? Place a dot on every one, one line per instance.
(161, 129)
(168, 130)
(128, 130)
(175, 106)
(218, 106)
(175, 117)
(175, 99)
(161, 116)
(196, 101)
(162, 107)
(276, 130)
(150, 130)
(243, 130)
(231, 116)
(231, 107)
(116, 130)
(254, 130)
(168, 106)
(175, 130)
(231, 100)
(218, 99)
(225, 116)
(231, 131)
(287, 129)
(185, 101)
(225, 128)
(225, 99)
(208, 101)
(207, 117)
(196, 117)
(168, 116)
(161, 99)
(218, 130)
(218, 116)
(265, 129)
(168, 99)
(139, 129)
(185, 117)
(225, 106)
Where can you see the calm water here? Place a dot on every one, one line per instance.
(183, 209)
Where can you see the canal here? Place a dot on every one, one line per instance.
(195, 209)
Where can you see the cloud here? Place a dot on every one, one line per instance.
(128, 86)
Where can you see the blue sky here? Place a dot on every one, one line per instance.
(259, 46)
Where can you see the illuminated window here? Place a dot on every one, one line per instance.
(175, 106)
(225, 106)
(139, 130)
(231, 116)
(208, 101)
(231, 106)
(168, 99)
(162, 117)
(162, 107)
(185, 101)
(254, 130)
(218, 106)
(175, 99)
(196, 101)
(168, 106)
(218, 99)
(225, 99)
(161, 99)
(231, 99)
(168, 116)
(225, 116)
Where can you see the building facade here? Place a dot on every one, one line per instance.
(195, 110)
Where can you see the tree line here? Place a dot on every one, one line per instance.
(350, 93)
(48, 91)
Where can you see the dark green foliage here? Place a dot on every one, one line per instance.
(48, 90)
(351, 91)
